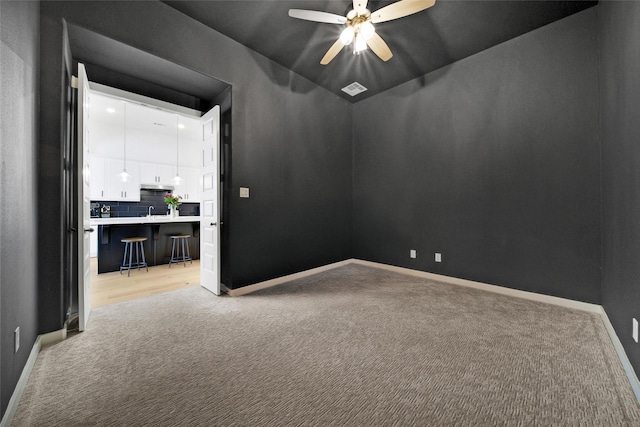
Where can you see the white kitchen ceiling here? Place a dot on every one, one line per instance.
(140, 117)
(150, 132)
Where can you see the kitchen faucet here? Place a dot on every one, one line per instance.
(150, 207)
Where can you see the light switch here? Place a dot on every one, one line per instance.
(244, 192)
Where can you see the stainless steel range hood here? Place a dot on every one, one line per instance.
(157, 186)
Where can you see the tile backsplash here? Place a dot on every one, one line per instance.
(148, 198)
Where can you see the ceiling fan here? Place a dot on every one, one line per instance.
(359, 21)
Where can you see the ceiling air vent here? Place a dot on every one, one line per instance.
(354, 88)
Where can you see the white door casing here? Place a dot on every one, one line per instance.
(84, 276)
(209, 202)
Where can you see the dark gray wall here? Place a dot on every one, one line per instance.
(52, 125)
(620, 135)
(19, 60)
(494, 162)
(297, 164)
(291, 143)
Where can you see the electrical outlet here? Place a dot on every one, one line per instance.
(438, 257)
(635, 330)
(16, 340)
(412, 253)
(244, 192)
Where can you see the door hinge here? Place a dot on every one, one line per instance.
(74, 82)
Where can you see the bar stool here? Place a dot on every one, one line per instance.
(129, 244)
(176, 242)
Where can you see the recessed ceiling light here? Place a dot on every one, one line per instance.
(111, 110)
(181, 126)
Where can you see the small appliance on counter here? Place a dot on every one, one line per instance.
(105, 211)
(95, 210)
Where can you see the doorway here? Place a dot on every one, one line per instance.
(140, 136)
(117, 65)
(121, 203)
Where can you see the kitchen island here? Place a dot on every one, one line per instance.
(158, 230)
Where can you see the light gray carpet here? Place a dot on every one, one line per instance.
(353, 346)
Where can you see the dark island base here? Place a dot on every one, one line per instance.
(157, 248)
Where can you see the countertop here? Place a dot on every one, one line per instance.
(154, 219)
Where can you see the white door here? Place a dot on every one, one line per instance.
(209, 202)
(84, 247)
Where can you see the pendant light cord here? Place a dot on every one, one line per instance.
(177, 139)
(124, 164)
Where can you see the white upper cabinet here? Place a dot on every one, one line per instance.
(124, 191)
(189, 189)
(96, 178)
(152, 173)
(153, 141)
(106, 183)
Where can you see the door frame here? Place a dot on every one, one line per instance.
(77, 167)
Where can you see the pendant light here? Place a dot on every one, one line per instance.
(124, 176)
(176, 179)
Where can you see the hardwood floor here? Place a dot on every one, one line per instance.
(108, 288)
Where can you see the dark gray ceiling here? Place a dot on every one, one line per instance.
(423, 42)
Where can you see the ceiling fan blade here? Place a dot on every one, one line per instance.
(332, 52)
(400, 9)
(316, 16)
(359, 6)
(379, 47)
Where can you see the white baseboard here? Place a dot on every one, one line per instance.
(53, 337)
(584, 306)
(41, 341)
(532, 296)
(22, 383)
(622, 355)
(280, 280)
(579, 305)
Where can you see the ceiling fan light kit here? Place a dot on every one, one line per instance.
(359, 30)
(346, 37)
(359, 25)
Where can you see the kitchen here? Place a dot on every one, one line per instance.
(139, 152)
